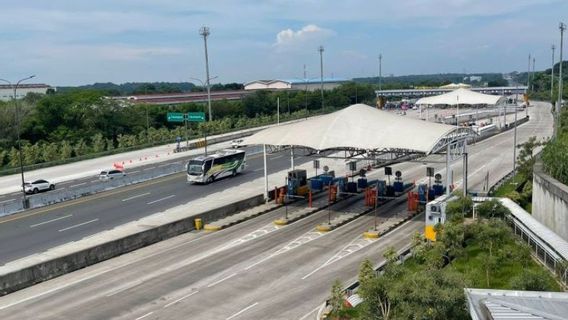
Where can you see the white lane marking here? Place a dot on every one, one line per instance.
(48, 221)
(259, 169)
(131, 172)
(274, 158)
(144, 316)
(162, 199)
(243, 310)
(345, 252)
(149, 168)
(178, 300)
(309, 313)
(164, 164)
(78, 225)
(123, 288)
(136, 196)
(253, 235)
(219, 281)
(94, 181)
(78, 184)
(9, 200)
(15, 193)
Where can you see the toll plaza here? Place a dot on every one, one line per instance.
(368, 140)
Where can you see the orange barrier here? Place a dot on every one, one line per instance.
(332, 193)
(310, 199)
(412, 201)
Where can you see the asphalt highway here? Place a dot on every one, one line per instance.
(37, 230)
(252, 270)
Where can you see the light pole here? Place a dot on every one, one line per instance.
(380, 71)
(320, 49)
(209, 102)
(17, 116)
(533, 73)
(204, 31)
(529, 75)
(552, 76)
(562, 27)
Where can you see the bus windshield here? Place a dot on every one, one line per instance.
(195, 167)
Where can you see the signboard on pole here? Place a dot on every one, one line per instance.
(175, 117)
(196, 116)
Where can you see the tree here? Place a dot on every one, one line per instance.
(491, 209)
(51, 152)
(80, 148)
(337, 297)
(366, 272)
(452, 236)
(98, 143)
(66, 150)
(437, 294)
(530, 280)
(458, 209)
(526, 158)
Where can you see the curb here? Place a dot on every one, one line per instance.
(213, 227)
(281, 222)
(323, 228)
(371, 234)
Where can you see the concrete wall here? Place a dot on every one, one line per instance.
(51, 268)
(550, 201)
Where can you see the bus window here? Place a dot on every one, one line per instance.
(207, 166)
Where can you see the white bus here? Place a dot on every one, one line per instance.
(205, 169)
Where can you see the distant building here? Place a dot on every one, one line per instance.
(472, 78)
(7, 91)
(454, 86)
(295, 84)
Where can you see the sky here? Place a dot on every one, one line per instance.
(76, 42)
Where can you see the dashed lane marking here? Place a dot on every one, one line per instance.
(48, 221)
(78, 225)
(136, 196)
(242, 311)
(162, 199)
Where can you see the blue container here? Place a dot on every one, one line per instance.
(382, 188)
(390, 191)
(326, 179)
(422, 193)
(431, 194)
(362, 183)
(398, 186)
(316, 184)
(438, 189)
(351, 187)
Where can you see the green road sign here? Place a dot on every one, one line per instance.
(196, 116)
(175, 117)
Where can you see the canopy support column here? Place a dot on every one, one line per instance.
(448, 178)
(265, 174)
(465, 168)
(292, 158)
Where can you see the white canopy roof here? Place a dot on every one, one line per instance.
(461, 96)
(359, 127)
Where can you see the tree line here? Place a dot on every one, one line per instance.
(80, 123)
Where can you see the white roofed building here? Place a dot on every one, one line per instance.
(295, 84)
(7, 91)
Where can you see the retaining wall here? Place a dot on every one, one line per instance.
(31, 270)
(550, 201)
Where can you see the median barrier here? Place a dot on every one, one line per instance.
(67, 258)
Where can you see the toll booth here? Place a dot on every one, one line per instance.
(297, 182)
(436, 213)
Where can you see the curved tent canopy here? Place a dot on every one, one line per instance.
(360, 127)
(461, 96)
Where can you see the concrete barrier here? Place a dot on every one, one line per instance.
(38, 268)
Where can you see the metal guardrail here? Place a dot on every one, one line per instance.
(60, 195)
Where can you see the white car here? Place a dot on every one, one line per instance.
(237, 143)
(111, 174)
(37, 186)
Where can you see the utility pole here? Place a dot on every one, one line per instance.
(552, 76)
(18, 129)
(562, 27)
(306, 91)
(204, 32)
(529, 75)
(380, 71)
(533, 73)
(320, 49)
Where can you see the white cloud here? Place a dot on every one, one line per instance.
(311, 34)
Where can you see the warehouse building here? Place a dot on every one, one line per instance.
(295, 84)
(7, 91)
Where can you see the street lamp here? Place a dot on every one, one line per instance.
(204, 32)
(562, 27)
(17, 116)
(320, 49)
(552, 76)
(208, 102)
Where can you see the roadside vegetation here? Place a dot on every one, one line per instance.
(78, 124)
(470, 253)
(555, 154)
